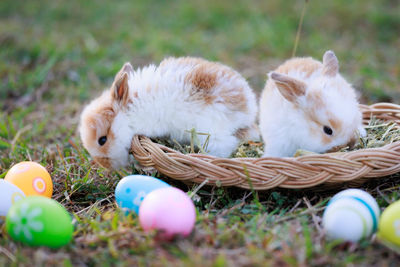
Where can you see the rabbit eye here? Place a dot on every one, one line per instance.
(328, 130)
(102, 140)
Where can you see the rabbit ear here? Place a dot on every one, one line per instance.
(127, 68)
(120, 88)
(289, 87)
(330, 64)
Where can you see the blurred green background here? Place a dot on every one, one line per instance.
(75, 47)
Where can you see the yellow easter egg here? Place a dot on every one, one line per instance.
(32, 178)
(389, 226)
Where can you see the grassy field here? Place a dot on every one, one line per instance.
(57, 55)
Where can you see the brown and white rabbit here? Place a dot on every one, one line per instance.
(168, 101)
(308, 105)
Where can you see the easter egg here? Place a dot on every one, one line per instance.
(32, 178)
(132, 189)
(351, 215)
(9, 194)
(39, 221)
(168, 210)
(389, 225)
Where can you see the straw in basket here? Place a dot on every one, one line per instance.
(269, 172)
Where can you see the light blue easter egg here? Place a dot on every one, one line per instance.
(9, 194)
(131, 190)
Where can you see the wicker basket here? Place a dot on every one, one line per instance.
(266, 173)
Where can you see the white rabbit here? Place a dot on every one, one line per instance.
(168, 101)
(308, 105)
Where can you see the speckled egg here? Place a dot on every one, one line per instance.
(389, 225)
(39, 221)
(9, 194)
(168, 210)
(32, 178)
(132, 189)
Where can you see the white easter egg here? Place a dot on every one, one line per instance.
(361, 196)
(9, 194)
(351, 215)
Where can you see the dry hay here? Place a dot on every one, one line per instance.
(379, 133)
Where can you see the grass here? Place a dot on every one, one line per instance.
(57, 55)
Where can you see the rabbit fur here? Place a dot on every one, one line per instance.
(308, 105)
(168, 101)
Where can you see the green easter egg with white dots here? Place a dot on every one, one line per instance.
(39, 221)
(389, 226)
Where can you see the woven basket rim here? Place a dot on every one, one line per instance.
(269, 172)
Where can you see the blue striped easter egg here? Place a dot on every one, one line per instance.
(351, 215)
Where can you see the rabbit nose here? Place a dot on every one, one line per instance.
(336, 148)
(105, 162)
(352, 143)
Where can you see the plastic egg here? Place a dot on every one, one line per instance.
(39, 221)
(132, 189)
(168, 210)
(351, 215)
(9, 194)
(389, 225)
(32, 178)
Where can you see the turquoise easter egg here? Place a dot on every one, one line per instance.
(9, 194)
(39, 221)
(132, 189)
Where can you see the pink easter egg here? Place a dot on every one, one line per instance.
(168, 210)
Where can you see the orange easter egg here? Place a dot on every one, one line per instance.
(32, 178)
